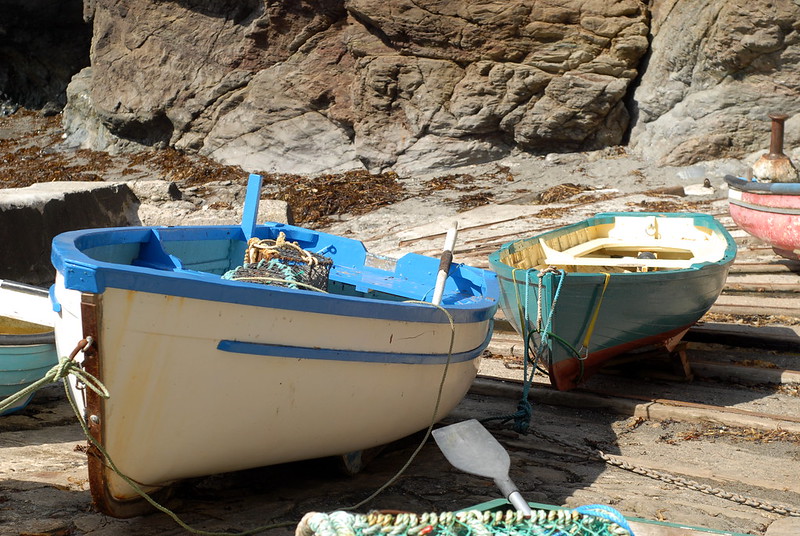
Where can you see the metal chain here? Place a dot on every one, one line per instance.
(675, 480)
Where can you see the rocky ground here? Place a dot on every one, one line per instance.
(43, 480)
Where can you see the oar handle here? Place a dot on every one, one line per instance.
(513, 496)
(444, 264)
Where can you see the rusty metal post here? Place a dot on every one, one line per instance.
(775, 166)
(776, 141)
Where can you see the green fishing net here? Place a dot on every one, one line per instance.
(597, 522)
(282, 263)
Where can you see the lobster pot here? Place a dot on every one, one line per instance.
(282, 263)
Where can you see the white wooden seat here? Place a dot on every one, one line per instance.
(575, 256)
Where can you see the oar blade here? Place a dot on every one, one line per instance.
(469, 447)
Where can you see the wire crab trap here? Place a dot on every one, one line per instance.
(282, 263)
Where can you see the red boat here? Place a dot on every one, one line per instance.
(769, 211)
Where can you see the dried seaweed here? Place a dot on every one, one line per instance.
(718, 431)
(561, 192)
(668, 206)
(466, 202)
(751, 320)
(32, 156)
(356, 192)
(447, 182)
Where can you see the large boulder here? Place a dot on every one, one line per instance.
(319, 85)
(716, 70)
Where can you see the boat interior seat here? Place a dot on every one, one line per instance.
(580, 254)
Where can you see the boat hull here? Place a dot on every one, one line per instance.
(27, 340)
(615, 313)
(209, 376)
(770, 212)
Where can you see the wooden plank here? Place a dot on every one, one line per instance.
(772, 266)
(762, 284)
(765, 305)
(649, 529)
(650, 408)
(744, 374)
(480, 217)
(771, 337)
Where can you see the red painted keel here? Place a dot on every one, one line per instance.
(567, 374)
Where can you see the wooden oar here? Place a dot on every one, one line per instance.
(444, 264)
(469, 447)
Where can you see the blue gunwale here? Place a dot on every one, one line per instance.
(81, 272)
(768, 188)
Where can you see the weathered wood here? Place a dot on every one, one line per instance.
(763, 282)
(744, 374)
(648, 529)
(477, 218)
(761, 266)
(756, 305)
(649, 408)
(770, 337)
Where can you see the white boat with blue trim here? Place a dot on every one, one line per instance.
(209, 374)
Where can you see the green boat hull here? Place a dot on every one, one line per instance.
(589, 317)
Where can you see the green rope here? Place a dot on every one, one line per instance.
(60, 371)
(143, 493)
(433, 417)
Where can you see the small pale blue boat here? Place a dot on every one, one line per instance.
(27, 340)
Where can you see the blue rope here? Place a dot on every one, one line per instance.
(605, 512)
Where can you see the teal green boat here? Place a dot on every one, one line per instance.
(582, 294)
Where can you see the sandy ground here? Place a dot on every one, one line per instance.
(43, 478)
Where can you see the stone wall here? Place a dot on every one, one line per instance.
(30, 218)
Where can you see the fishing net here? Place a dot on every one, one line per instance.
(593, 521)
(282, 263)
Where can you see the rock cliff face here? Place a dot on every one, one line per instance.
(313, 85)
(306, 86)
(717, 69)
